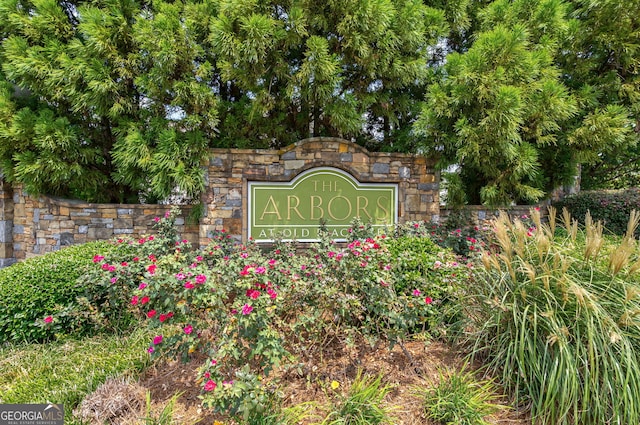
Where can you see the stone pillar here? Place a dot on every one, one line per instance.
(6, 224)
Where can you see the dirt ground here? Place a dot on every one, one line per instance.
(418, 366)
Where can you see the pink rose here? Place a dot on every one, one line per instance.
(188, 329)
(157, 339)
(210, 385)
(246, 309)
(48, 319)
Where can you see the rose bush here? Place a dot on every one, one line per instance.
(250, 309)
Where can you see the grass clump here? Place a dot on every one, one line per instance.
(362, 405)
(165, 416)
(66, 371)
(555, 314)
(460, 399)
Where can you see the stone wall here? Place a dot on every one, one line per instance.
(32, 225)
(6, 225)
(44, 224)
(230, 170)
(481, 215)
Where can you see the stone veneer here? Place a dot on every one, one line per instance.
(230, 170)
(6, 225)
(44, 224)
(482, 215)
(32, 225)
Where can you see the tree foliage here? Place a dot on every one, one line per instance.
(111, 100)
(111, 105)
(539, 88)
(601, 60)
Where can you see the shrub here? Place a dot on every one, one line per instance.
(185, 297)
(419, 266)
(238, 303)
(466, 241)
(108, 287)
(611, 207)
(555, 315)
(43, 289)
(456, 234)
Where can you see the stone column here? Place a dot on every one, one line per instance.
(6, 224)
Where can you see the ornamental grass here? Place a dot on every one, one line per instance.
(555, 315)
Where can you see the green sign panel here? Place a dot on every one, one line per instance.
(294, 210)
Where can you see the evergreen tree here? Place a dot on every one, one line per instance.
(110, 106)
(346, 68)
(496, 109)
(601, 64)
(110, 100)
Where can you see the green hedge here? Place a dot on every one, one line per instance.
(40, 287)
(418, 262)
(611, 207)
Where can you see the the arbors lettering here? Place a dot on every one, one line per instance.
(335, 208)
